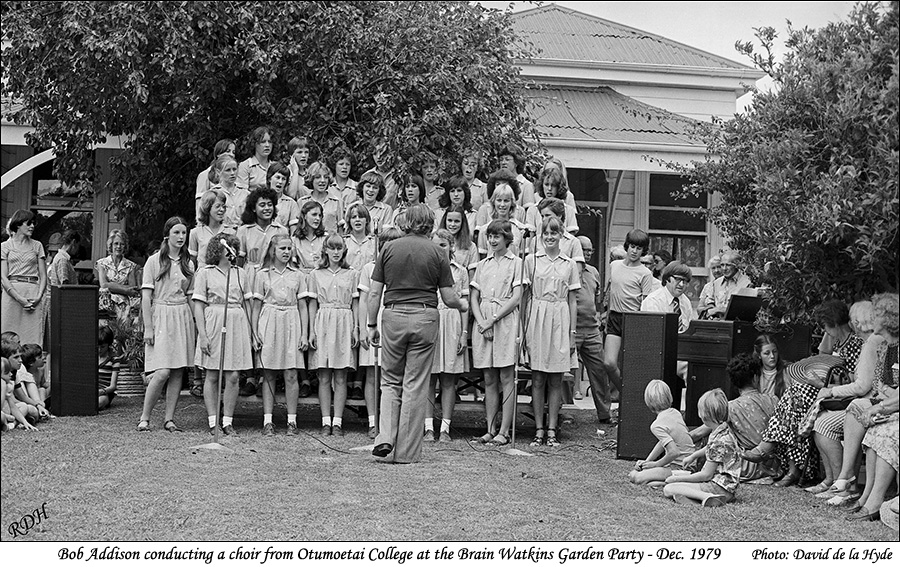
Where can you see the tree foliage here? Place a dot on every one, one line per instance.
(173, 77)
(808, 175)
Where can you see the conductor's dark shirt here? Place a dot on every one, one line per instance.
(412, 268)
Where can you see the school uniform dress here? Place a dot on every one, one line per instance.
(198, 241)
(360, 253)
(368, 356)
(251, 174)
(173, 321)
(549, 325)
(467, 258)
(308, 252)
(445, 357)
(209, 287)
(347, 195)
(255, 240)
(332, 211)
(380, 214)
(478, 193)
(495, 279)
(235, 200)
(279, 318)
(288, 211)
(334, 291)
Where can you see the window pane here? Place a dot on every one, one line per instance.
(663, 186)
(677, 220)
(692, 251)
(588, 184)
(689, 250)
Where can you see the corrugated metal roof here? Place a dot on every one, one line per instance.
(563, 33)
(602, 114)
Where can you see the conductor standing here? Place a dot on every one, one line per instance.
(409, 272)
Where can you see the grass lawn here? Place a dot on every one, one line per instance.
(103, 480)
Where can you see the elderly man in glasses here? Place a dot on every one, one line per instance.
(731, 280)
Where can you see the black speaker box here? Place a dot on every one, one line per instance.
(649, 352)
(73, 350)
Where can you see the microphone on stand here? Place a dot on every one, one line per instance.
(230, 250)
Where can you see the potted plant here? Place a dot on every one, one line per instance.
(128, 328)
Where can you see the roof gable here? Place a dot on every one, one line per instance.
(565, 34)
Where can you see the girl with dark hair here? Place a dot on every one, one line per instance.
(456, 194)
(771, 378)
(309, 237)
(413, 194)
(456, 222)
(251, 173)
(168, 325)
(210, 297)
(371, 191)
(259, 226)
(359, 239)
(23, 274)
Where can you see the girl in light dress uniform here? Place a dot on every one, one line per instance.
(360, 251)
(552, 280)
(450, 356)
(359, 238)
(168, 326)
(457, 224)
(260, 225)
(333, 306)
(280, 321)
(309, 237)
(495, 293)
(210, 297)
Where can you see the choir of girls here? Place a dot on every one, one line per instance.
(290, 249)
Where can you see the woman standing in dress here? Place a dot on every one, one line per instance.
(118, 275)
(23, 273)
(168, 320)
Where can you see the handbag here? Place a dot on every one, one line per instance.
(836, 404)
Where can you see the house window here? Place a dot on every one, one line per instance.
(676, 225)
(591, 191)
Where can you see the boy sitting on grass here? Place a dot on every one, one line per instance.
(674, 440)
(718, 480)
(28, 377)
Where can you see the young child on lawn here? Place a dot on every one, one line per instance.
(674, 440)
(718, 480)
(10, 413)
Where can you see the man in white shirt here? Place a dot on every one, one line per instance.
(670, 297)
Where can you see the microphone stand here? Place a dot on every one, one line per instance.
(520, 345)
(215, 445)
